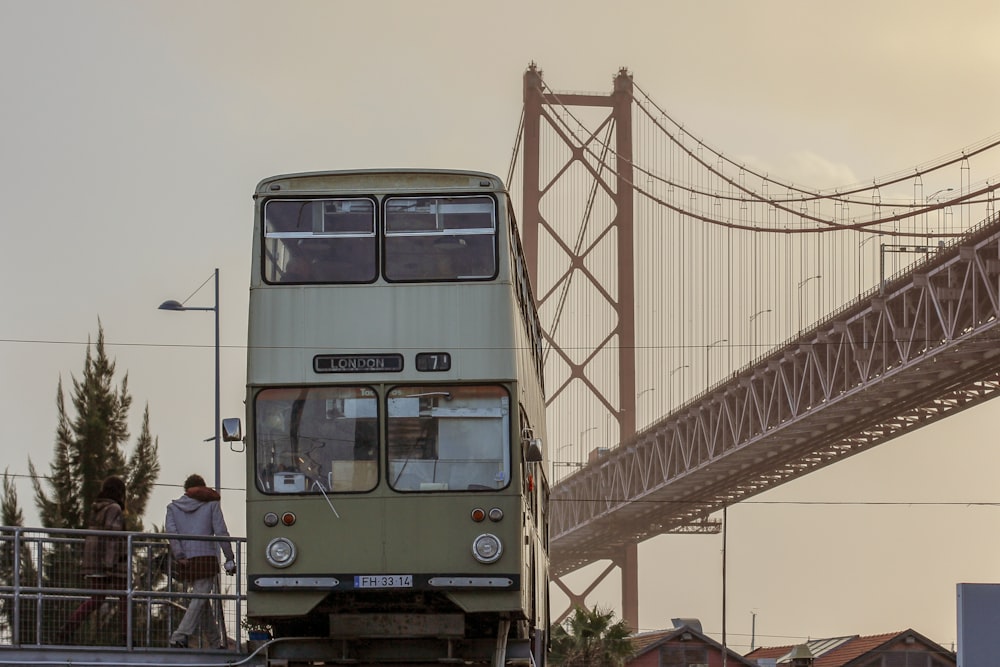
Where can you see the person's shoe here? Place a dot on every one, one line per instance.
(178, 643)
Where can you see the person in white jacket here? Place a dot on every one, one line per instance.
(198, 512)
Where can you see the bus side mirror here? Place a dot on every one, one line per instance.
(533, 453)
(232, 429)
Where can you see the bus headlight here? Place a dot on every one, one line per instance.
(280, 552)
(487, 548)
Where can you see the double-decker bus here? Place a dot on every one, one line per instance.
(396, 484)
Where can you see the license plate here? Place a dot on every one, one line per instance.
(383, 581)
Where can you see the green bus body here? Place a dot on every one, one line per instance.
(395, 414)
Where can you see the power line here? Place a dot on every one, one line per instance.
(42, 341)
(17, 475)
(678, 346)
(820, 503)
(842, 503)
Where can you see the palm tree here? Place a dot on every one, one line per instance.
(590, 638)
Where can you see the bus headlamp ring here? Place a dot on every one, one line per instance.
(281, 552)
(487, 548)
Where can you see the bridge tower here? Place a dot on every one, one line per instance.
(589, 261)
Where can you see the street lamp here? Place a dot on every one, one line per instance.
(639, 395)
(927, 203)
(176, 305)
(679, 368)
(861, 247)
(583, 445)
(753, 331)
(936, 193)
(801, 283)
(708, 348)
(555, 459)
(670, 381)
(612, 423)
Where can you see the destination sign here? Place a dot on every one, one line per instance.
(358, 363)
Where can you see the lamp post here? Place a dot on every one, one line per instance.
(927, 202)
(801, 283)
(640, 395)
(176, 305)
(670, 381)
(753, 332)
(860, 252)
(555, 459)
(583, 445)
(708, 349)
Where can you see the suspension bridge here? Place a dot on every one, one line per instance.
(713, 331)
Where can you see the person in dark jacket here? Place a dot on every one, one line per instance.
(198, 512)
(105, 557)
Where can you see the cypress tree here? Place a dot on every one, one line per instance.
(143, 470)
(11, 515)
(96, 435)
(89, 447)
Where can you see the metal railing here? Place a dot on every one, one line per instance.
(42, 586)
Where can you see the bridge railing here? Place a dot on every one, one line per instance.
(42, 585)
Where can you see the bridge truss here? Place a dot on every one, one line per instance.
(924, 347)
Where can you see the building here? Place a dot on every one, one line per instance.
(684, 645)
(898, 649)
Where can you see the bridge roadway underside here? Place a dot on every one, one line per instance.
(924, 347)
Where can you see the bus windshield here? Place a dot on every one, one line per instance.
(448, 438)
(316, 439)
(320, 241)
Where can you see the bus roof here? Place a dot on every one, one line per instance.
(364, 181)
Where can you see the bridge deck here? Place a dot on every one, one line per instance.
(899, 358)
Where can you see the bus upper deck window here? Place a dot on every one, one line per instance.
(440, 238)
(320, 241)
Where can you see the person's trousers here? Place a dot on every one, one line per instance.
(199, 616)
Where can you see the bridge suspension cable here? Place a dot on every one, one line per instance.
(793, 206)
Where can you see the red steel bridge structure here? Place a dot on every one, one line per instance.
(869, 311)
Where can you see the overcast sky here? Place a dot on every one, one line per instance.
(132, 135)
